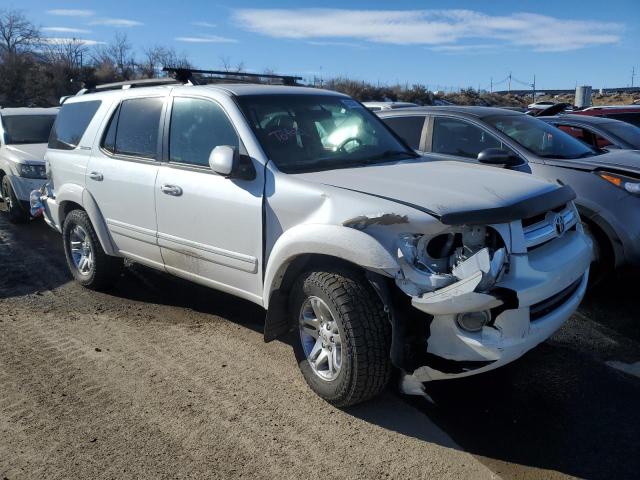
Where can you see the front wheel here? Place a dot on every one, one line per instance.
(342, 336)
(12, 206)
(87, 261)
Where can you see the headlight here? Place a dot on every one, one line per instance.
(32, 171)
(631, 185)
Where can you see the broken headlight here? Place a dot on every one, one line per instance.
(433, 262)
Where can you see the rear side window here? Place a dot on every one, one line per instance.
(197, 127)
(457, 137)
(133, 128)
(71, 123)
(407, 128)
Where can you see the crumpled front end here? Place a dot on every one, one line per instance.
(488, 294)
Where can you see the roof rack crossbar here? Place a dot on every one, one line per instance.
(187, 75)
(145, 82)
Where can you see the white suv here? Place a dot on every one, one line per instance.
(23, 141)
(302, 201)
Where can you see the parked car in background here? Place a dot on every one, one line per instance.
(24, 133)
(624, 113)
(377, 106)
(598, 132)
(543, 105)
(304, 202)
(607, 184)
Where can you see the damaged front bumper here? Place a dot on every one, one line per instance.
(538, 293)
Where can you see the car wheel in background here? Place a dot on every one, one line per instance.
(87, 261)
(11, 205)
(342, 336)
(602, 263)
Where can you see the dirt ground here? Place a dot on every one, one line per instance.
(160, 378)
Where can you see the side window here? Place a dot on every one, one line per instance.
(407, 128)
(71, 123)
(581, 134)
(197, 127)
(601, 142)
(137, 122)
(457, 137)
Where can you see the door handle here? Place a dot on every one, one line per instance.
(171, 190)
(96, 176)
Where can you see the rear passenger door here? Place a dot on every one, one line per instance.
(122, 172)
(209, 226)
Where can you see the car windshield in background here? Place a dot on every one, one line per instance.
(319, 132)
(627, 132)
(539, 137)
(27, 128)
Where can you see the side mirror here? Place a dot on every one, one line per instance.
(223, 160)
(498, 156)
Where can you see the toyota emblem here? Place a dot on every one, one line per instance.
(558, 221)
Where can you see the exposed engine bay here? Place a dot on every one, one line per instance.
(431, 263)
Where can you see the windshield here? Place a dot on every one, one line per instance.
(319, 132)
(27, 128)
(627, 132)
(539, 137)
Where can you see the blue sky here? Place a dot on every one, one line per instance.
(441, 44)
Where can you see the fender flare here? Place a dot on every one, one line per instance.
(337, 241)
(80, 195)
(340, 242)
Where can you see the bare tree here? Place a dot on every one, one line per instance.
(116, 58)
(17, 34)
(158, 57)
(68, 53)
(228, 67)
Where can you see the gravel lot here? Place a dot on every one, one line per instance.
(160, 378)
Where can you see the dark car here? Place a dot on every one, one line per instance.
(607, 184)
(598, 132)
(624, 113)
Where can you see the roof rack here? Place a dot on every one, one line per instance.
(145, 82)
(199, 77)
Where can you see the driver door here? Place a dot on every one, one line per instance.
(209, 226)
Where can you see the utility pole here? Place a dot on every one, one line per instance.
(533, 85)
(491, 87)
(633, 74)
(509, 82)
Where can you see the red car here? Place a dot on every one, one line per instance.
(626, 113)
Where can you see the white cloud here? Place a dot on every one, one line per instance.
(206, 39)
(62, 41)
(65, 12)
(204, 24)
(65, 30)
(430, 27)
(116, 22)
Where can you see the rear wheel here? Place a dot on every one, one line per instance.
(342, 336)
(87, 261)
(11, 204)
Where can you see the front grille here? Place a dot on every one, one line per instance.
(542, 228)
(547, 306)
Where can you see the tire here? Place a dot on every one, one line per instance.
(363, 332)
(100, 270)
(12, 207)
(602, 265)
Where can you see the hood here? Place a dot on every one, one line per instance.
(450, 190)
(29, 152)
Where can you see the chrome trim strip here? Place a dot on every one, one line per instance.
(544, 230)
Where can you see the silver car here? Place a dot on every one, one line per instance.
(607, 184)
(301, 200)
(24, 133)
